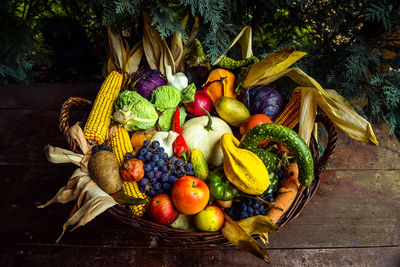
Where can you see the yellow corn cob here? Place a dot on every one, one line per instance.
(99, 118)
(290, 116)
(132, 189)
(121, 143)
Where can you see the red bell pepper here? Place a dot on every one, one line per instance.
(180, 147)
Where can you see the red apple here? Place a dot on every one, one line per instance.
(190, 195)
(161, 209)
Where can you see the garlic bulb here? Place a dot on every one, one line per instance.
(166, 139)
(177, 80)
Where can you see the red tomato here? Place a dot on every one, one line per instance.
(252, 121)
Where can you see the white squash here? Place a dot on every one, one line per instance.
(204, 133)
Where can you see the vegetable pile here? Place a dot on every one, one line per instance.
(190, 146)
(227, 154)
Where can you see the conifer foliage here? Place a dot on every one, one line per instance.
(352, 45)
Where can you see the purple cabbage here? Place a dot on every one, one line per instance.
(147, 81)
(264, 99)
(197, 75)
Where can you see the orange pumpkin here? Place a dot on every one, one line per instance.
(138, 138)
(220, 82)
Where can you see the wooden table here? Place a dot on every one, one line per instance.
(353, 220)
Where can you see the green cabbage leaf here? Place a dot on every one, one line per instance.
(134, 112)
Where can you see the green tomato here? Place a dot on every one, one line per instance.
(220, 187)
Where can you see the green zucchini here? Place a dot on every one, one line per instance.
(200, 167)
(287, 137)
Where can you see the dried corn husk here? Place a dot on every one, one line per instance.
(308, 112)
(240, 233)
(271, 67)
(334, 106)
(240, 238)
(158, 54)
(346, 118)
(245, 40)
(91, 200)
(258, 225)
(121, 56)
(177, 49)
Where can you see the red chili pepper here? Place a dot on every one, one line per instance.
(180, 147)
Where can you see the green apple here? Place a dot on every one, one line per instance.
(210, 219)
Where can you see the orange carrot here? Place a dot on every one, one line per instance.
(293, 170)
(286, 194)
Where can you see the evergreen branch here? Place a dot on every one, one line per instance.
(166, 20)
(380, 12)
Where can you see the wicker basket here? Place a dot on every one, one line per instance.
(208, 238)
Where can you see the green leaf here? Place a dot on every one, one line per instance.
(165, 97)
(134, 112)
(165, 120)
(183, 114)
(188, 93)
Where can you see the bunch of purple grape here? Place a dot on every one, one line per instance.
(100, 147)
(246, 208)
(160, 171)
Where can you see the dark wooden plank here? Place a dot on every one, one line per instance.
(44, 226)
(24, 134)
(20, 254)
(352, 154)
(351, 208)
(26, 187)
(44, 95)
(336, 257)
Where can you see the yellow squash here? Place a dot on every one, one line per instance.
(243, 168)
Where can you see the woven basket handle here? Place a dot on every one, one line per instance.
(64, 118)
(331, 144)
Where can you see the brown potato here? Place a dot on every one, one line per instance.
(104, 170)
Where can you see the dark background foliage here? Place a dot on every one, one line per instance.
(353, 46)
